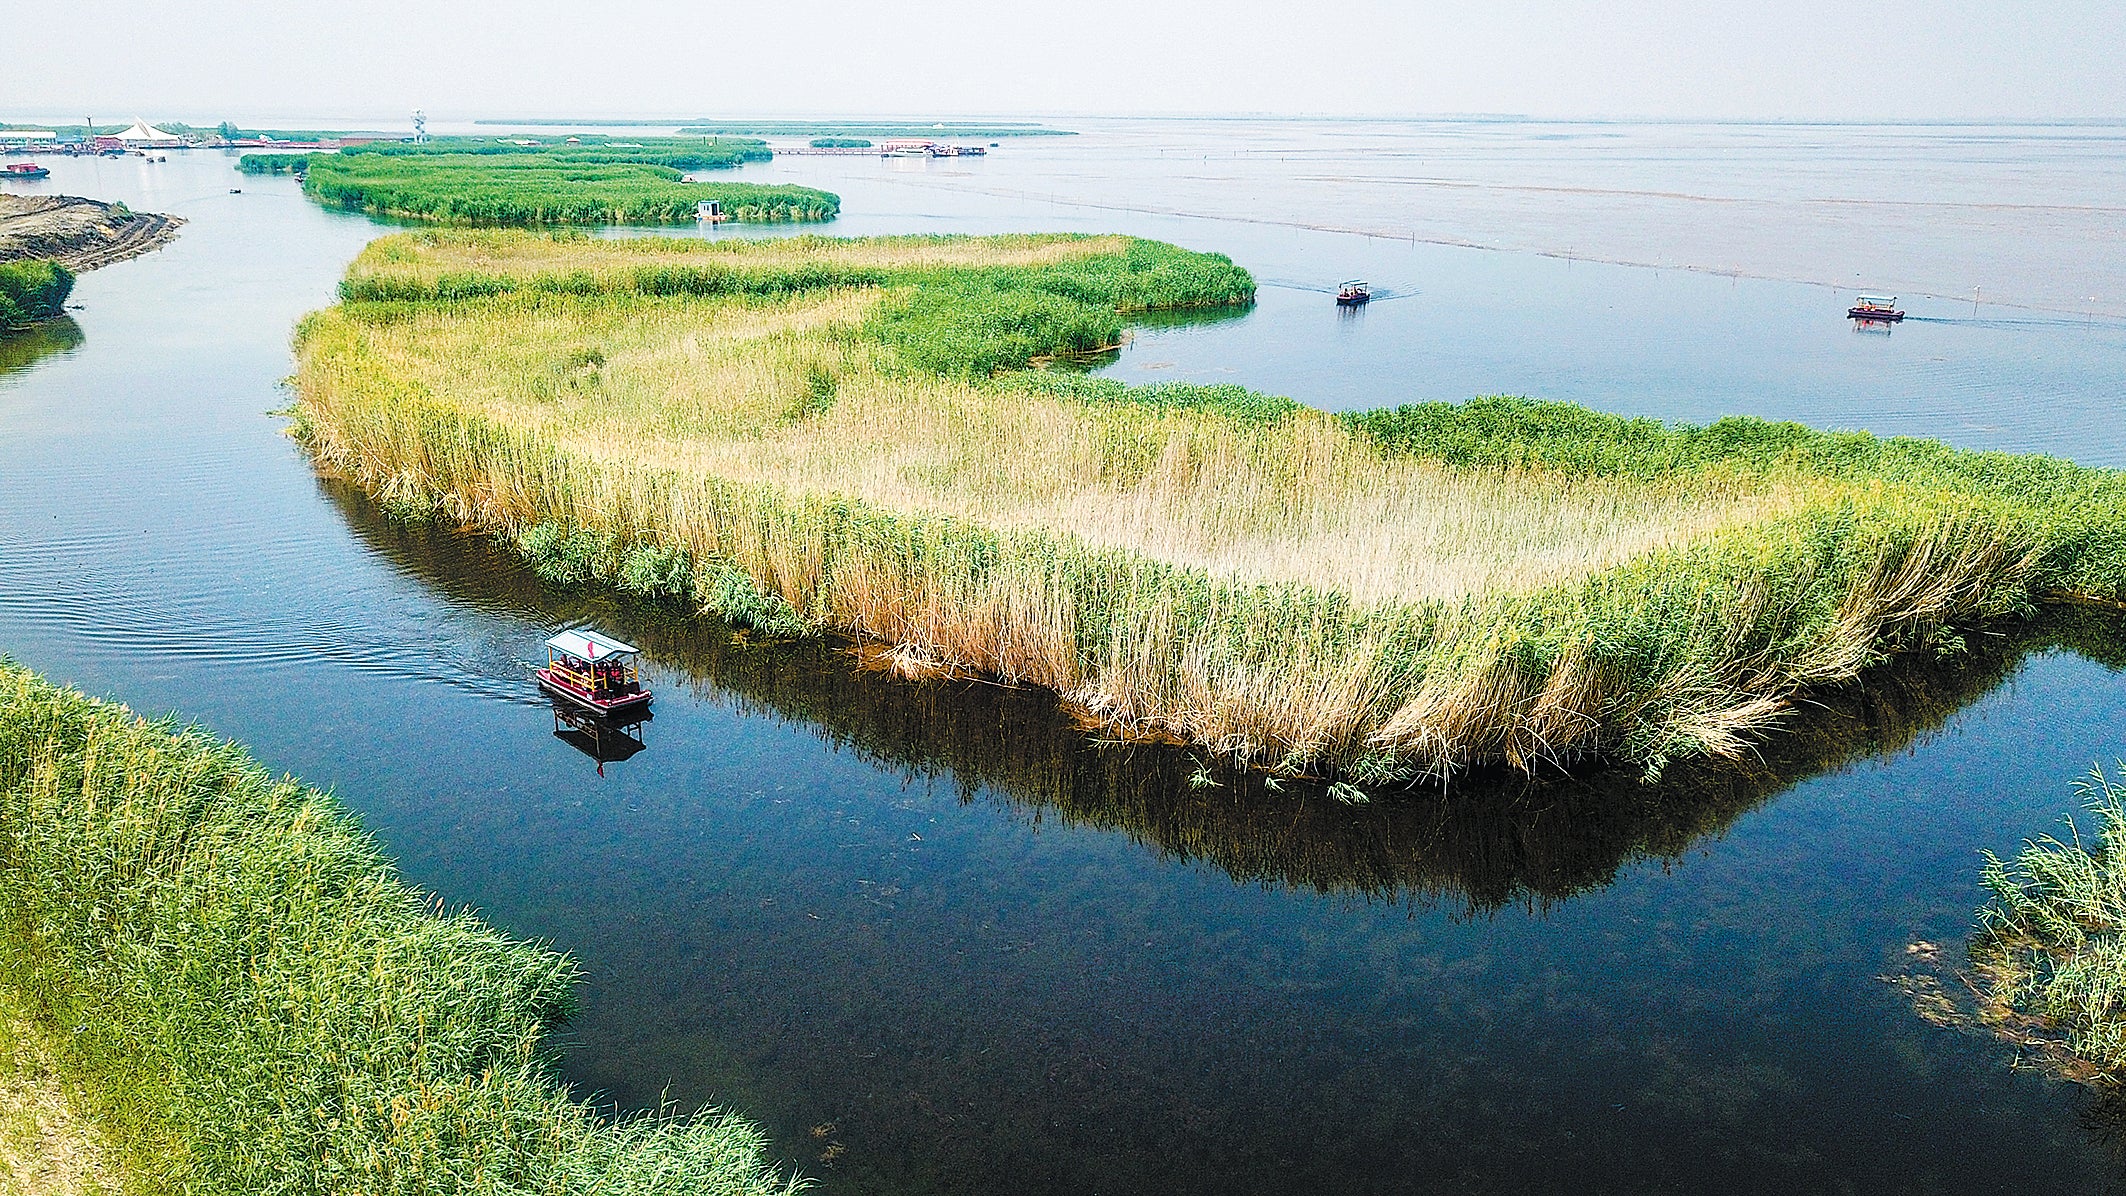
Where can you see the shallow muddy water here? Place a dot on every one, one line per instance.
(937, 941)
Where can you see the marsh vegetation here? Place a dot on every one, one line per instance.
(31, 291)
(595, 181)
(2049, 955)
(842, 435)
(242, 995)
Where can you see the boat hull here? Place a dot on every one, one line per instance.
(1351, 300)
(1870, 313)
(577, 696)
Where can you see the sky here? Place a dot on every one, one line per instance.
(202, 60)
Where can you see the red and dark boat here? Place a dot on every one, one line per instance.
(1353, 292)
(24, 170)
(595, 672)
(1878, 308)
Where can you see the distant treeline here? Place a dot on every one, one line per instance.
(594, 181)
(32, 290)
(840, 143)
(816, 128)
(829, 128)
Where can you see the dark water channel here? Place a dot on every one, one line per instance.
(938, 941)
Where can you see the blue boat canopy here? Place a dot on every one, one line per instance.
(585, 644)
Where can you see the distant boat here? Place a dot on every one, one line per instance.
(1353, 292)
(1875, 307)
(24, 170)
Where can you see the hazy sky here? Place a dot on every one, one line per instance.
(203, 59)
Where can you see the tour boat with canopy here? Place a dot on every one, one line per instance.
(1353, 292)
(1875, 307)
(596, 672)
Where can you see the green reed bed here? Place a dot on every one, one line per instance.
(248, 999)
(841, 435)
(478, 181)
(33, 290)
(273, 163)
(2049, 953)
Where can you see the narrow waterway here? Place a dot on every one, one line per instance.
(937, 941)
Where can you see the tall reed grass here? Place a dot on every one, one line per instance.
(2050, 948)
(844, 432)
(252, 1001)
(33, 290)
(500, 183)
(273, 163)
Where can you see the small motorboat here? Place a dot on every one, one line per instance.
(593, 671)
(24, 170)
(1352, 292)
(1882, 308)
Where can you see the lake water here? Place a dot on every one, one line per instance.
(937, 941)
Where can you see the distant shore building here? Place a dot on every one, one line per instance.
(146, 136)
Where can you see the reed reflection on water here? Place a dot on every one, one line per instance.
(1128, 990)
(21, 349)
(1483, 842)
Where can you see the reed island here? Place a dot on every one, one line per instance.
(852, 437)
(581, 180)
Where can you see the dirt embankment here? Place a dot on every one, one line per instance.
(80, 234)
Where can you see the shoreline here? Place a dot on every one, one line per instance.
(79, 233)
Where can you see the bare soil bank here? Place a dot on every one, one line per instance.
(80, 234)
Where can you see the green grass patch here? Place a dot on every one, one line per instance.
(596, 181)
(247, 998)
(273, 163)
(33, 290)
(841, 143)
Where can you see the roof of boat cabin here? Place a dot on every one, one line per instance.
(585, 644)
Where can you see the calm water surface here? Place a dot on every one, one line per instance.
(936, 941)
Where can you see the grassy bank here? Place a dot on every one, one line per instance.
(483, 181)
(243, 997)
(33, 290)
(839, 434)
(46, 1148)
(2049, 954)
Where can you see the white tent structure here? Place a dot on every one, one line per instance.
(146, 136)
